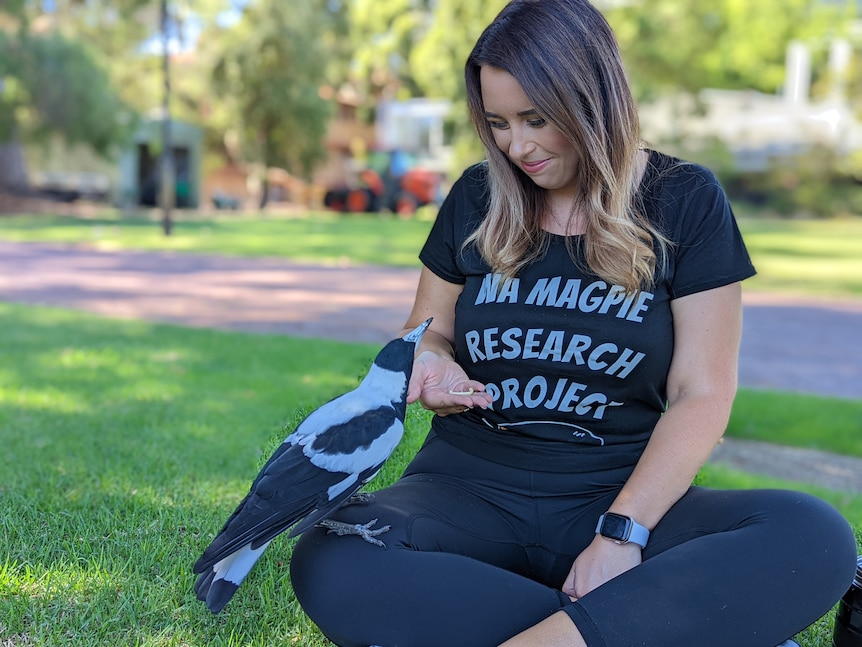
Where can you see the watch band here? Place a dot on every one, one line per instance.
(622, 529)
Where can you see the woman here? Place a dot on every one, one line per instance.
(582, 364)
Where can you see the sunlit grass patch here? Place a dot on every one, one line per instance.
(126, 445)
(801, 420)
(821, 257)
(320, 237)
(137, 442)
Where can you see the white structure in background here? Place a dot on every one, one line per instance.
(415, 126)
(757, 127)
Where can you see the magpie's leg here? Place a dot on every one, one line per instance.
(341, 529)
(361, 498)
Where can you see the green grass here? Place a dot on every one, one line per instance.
(124, 447)
(814, 422)
(820, 257)
(126, 444)
(318, 237)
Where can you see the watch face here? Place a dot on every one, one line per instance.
(615, 526)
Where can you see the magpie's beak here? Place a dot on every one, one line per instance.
(416, 334)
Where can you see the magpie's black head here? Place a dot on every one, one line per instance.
(397, 355)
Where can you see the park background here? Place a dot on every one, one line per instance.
(126, 443)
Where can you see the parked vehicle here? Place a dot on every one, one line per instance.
(390, 182)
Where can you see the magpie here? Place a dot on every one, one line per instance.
(319, 467)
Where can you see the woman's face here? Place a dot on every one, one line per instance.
(533, 144)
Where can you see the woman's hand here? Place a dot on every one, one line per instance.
(441, 385)
(600, 562)
(438, 381)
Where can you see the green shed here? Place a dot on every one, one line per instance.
(139, 165)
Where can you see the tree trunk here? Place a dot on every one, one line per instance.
(13, 168)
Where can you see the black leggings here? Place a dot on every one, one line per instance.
(478, 552)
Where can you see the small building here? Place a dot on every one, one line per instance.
(139, 181)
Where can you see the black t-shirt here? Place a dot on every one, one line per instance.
(577, 368)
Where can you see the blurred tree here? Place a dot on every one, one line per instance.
(268, 74)
(687, 45)
(51, 85)
(417, 47)
(438, 61)
(383, 33)
(253, 81)
(113, 32)
(411, 48)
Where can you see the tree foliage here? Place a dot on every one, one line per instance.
(62, 55)
(438, 59)
(269, 74)
(51, 85)
(409, 48)
(384, 33)
(438, 63)
(687, 45)
(254, 83)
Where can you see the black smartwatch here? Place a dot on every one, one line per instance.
(622, 529)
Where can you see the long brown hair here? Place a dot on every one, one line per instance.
(565, 57)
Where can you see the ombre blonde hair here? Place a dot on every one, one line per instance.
(565, 57)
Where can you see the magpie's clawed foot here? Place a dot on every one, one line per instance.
(361, 498)
(341, 529)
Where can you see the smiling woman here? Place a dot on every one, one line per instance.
(581, 366)
(536, 146)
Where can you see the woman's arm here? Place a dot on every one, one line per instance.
(700, 389)
(438, 382)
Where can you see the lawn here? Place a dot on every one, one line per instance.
(126, 444)
(820, 257)
(318, 237)
(124, 447)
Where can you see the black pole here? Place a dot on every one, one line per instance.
(166, 167)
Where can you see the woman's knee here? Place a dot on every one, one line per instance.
(336, 579)
(808, 515)
(314, 568)
(813, 536)
(785, 529)
(788, 517)
(786, 513)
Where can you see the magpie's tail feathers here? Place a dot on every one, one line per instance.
(217, 585)
(203, 584)
(256, 534)
(270, 508)
(220, 594)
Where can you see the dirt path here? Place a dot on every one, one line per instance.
(811, 346)
(366, 304)
(804, 345)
